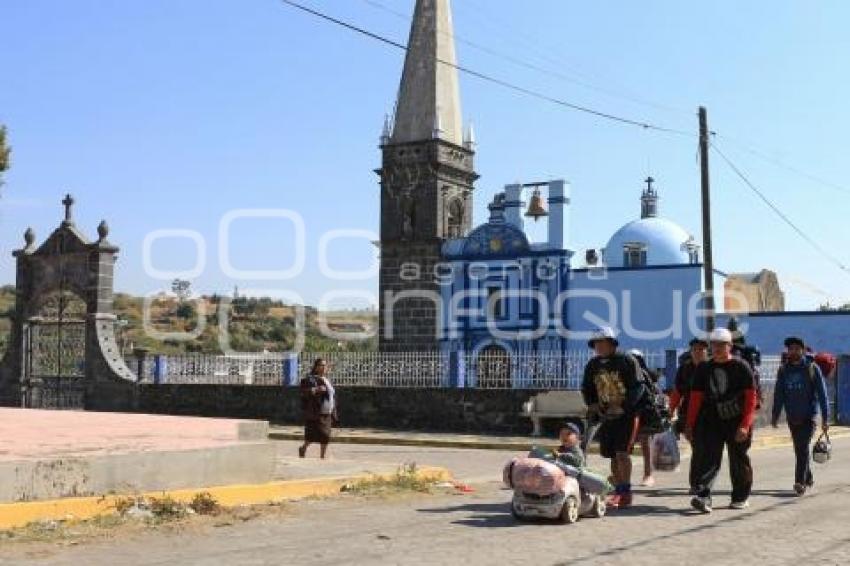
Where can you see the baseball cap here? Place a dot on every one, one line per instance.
(572, 427)
(604, 333)
(721, 335)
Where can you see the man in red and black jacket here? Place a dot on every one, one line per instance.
(721, 412)
(681, 392)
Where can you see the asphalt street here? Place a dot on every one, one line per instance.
(477, 528)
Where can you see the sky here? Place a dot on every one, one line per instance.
(178, 121)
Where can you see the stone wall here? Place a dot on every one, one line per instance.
(474, 411)
(449, 410)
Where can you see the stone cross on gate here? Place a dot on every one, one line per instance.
(66, 266)
(68, 201)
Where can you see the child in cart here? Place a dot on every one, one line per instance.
(555, 483)
(569, 452)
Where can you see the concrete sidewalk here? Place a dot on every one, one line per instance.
(328, 483)
(764, 438)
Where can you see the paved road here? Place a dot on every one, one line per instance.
(472, 466)
(477, 529)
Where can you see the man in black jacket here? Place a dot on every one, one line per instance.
(612, 390)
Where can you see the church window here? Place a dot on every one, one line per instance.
(455, 220)
(634, 255)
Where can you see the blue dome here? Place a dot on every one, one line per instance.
(664, 242)
(489, 240)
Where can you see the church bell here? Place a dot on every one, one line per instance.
(536, 210)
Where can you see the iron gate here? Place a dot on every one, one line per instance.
(54, 364)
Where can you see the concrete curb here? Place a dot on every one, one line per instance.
(14, 515)
(759, 442)
(494, 444)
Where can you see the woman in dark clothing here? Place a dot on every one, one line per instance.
(318, 403)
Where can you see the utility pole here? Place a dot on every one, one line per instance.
(708, 262)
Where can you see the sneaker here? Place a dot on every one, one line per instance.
(799, 489)
(302, 451)
(648, 481)
(626, 500)
(701, 504)
(740, 504)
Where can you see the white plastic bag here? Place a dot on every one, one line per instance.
(665, 451)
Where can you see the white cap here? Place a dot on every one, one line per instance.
(721, 335)
(604, 333)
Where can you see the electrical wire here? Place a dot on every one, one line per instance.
(790, 168)
(549, 53)
(779, 213)
(591, 111)
(528, 65)
(493, 80)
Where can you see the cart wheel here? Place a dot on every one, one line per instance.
(599, 508)
(570, 511)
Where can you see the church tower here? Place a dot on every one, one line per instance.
(427, 177)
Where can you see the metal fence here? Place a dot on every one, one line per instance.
(484, 370)
(381, 369)
(253, 369)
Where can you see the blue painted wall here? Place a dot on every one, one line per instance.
(651, 299)
(823, 331)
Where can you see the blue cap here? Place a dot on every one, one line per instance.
(572, 427)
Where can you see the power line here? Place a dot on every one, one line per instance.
(528, 65)
(579, 108)
(776, 162)
(491, 79)
(781, 214)
(495, 22)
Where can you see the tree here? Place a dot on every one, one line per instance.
(186, 311)
(5, 150)
(182, 288)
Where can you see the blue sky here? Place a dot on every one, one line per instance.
(167, 115)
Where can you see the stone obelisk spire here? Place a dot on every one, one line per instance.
(427, 175)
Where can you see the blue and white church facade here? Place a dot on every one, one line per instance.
(502, 293)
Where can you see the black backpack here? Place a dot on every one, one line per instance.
(751, 356)
(652, 407)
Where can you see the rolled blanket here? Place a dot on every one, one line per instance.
(533, 475)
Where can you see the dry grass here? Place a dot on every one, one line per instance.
(406, 479)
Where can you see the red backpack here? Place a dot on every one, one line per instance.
(826, 362)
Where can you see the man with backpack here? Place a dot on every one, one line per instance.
(721, 411)
(651, 422)
(612, 391)
(680, 395)
(801, 392)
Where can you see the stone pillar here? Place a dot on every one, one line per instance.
(513, 205)
(559, 203)
(457, 369)
(290, 371)
(160, 369)
(141, 354)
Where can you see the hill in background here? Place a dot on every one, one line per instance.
(256, 324)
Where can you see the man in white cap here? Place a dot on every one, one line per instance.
(721, 412)
(612, 389)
